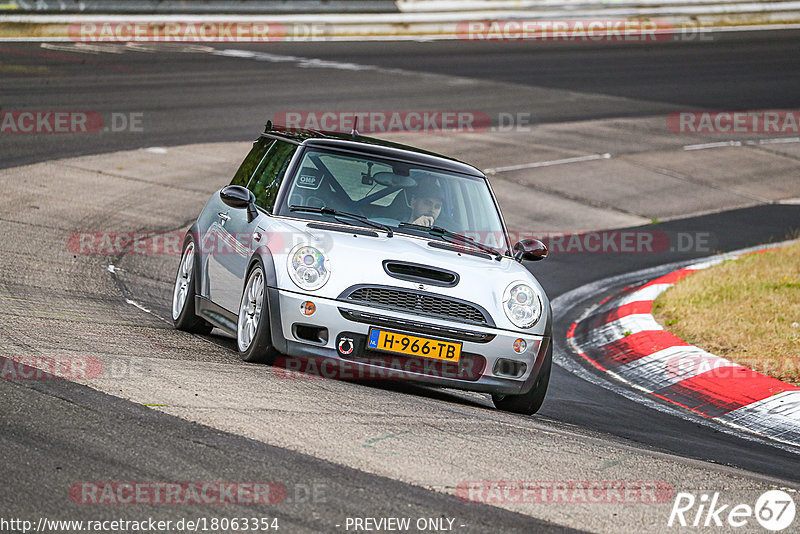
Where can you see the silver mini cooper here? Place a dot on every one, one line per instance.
(365, 259)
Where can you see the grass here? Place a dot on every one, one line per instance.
(746, 310)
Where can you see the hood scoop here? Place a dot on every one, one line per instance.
(420, 274)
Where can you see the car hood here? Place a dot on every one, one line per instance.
(358, 259)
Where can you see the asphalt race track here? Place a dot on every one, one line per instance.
(190, 97)
(373, 450)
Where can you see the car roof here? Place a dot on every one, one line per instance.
(371, 146)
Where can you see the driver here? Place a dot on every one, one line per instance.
(426, 203)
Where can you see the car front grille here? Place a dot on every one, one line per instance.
(417, 326)
(418, 302)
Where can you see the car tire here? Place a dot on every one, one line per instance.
(530, 402)
(183, 313)
(253, 337)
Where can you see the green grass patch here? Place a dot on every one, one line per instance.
(746, 310)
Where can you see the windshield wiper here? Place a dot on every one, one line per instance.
(336, 214)
(452, 237)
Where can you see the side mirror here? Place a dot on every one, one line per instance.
(530, 250)
(240, 197)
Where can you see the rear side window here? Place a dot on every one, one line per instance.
(268, 177)
(248, 166)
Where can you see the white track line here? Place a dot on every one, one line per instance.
(535, 164)
(718, 144)
(775, 141)
(750, 142)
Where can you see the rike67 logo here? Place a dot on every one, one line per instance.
(774, 510)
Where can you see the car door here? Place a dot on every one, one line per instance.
(234, 239)
(216, 238)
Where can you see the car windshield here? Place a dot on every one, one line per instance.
(406, 197)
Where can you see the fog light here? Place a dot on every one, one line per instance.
(509, 368)
(520, 346)
(308, 308)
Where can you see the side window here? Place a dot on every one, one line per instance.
(250, 163)
(269, 175)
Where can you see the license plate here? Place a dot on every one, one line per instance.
(387, 341)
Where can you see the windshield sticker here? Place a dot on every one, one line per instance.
(309, 181)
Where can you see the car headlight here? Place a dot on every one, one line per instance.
(308, 267)
(522, 305)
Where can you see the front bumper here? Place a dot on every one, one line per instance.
(319, 335)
